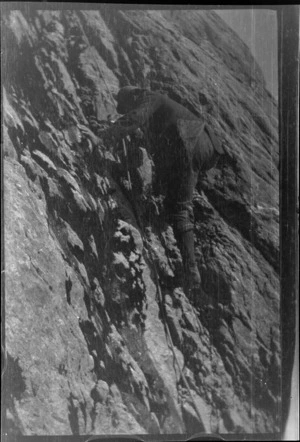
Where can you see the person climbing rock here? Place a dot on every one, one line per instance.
(181, 146)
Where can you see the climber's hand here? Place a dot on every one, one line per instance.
(115, 131)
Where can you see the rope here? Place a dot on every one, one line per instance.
(160, 299)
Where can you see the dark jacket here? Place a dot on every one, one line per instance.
(175, 135)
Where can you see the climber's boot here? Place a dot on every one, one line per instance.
(193, 276)
(192, 279)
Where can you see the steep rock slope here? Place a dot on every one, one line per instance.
(87, 347)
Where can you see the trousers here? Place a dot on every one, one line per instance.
(178, 203)
(178, 165)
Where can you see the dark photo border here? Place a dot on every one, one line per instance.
(288, 105)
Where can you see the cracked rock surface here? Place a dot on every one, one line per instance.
(92, 268)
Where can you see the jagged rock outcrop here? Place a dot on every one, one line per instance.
(87, 347)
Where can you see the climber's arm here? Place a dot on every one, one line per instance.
(123, 126)
(133, 120)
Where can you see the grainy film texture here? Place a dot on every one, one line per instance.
(141, 271)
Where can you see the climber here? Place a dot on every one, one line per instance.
(181, 146)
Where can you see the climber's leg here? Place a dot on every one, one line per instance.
(179, 204)
(183, 226)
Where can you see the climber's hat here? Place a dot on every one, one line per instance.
(126, 98)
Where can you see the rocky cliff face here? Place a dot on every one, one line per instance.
(87, 257)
